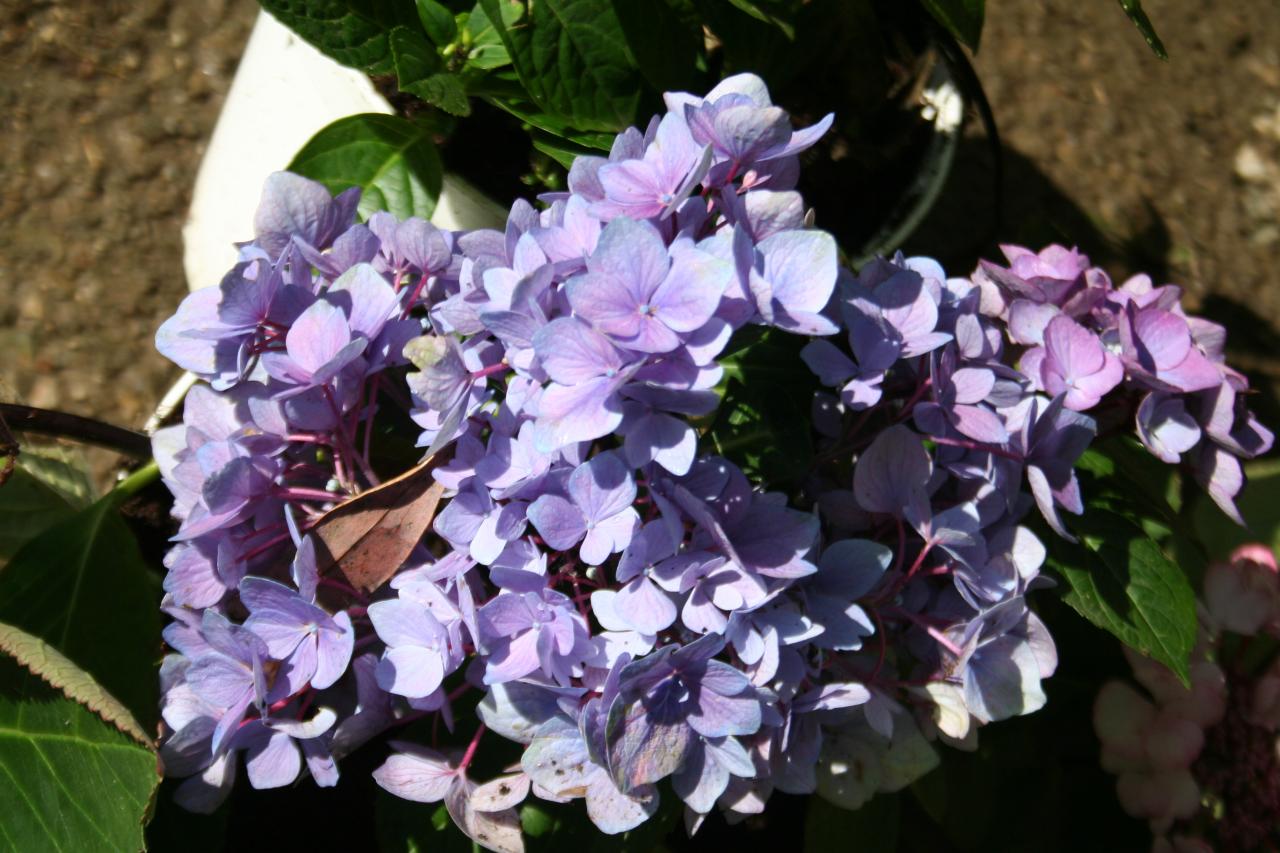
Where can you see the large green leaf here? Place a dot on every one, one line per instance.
(353, 32)
(573, 60)
(47, 485)
(82, 587)
(70, 780)
(1133, 8)
(762, 424)
(962, 17)
(63, 469)
(1122, 580)
(27, 506)
(420, 71)
(393, 160)
(665, 46)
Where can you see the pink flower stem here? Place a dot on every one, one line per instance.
(364, 642)
(921, 622)
(264, 547)
(974, 445)
(373, 407)
(300, 493)
(471, 749)
(346, 441)
(920, 391)
(334, 583)
(490, 370)
(415, 295)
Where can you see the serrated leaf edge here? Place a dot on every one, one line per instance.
(46, 663)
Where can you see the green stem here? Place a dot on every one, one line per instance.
(136, 482)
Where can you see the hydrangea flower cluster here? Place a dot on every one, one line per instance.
(618, 606)
(1201, 764)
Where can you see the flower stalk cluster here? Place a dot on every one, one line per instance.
(622, 610)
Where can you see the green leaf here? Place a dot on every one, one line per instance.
(353, 32)
(42, 659)
(666, 48)
(775, 13)
(1133, 8)
(1259, 503)
(762, 423)
(27, 506)
(962, 17)
(1121, 580)
(574, 62)
(530, 114)
(536, 821)
(561, 150)
(63, 469)
(71, 781)
(487, 48)
(393, 160)
(871, 829)
(421, 72)
(82, 587)
(437, 22)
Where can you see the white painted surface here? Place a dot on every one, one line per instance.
(283, 93)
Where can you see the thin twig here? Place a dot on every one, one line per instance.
(65, 425)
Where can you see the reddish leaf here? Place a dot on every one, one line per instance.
(371, 535)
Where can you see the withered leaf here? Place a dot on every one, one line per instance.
(370, 536)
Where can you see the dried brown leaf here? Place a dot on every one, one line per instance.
(369, 537)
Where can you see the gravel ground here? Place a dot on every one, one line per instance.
(1173, 167)
(107, 107)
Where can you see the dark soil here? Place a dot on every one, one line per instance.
(1170, 167)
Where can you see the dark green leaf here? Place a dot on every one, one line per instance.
(762, 423)
(421, 72)
(775, 13)
(750, 44)
(561, 150)
(82, 587)
(392, 159)
(27, 506)
(871, 829)
(38, 657)
(354, 32)
(573, 60)
(1259, 503)
(1122, 581)
(962, 17)
(553, 125)
(437, 22)
(71, 781)
(1133, 8)
(1124, 477)
(665, 47)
